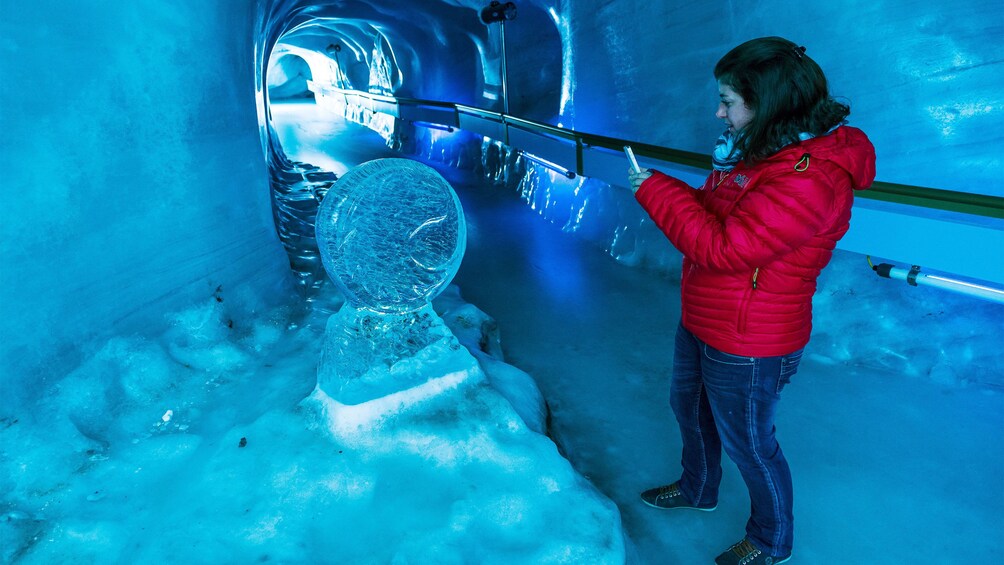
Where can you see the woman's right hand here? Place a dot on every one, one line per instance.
(638, 178)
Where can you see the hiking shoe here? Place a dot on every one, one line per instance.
(670, 496)
(745, 553)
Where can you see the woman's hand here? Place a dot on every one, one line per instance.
(638, 178)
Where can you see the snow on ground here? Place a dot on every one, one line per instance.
(197, 446)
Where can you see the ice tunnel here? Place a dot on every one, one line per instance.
(163, 305)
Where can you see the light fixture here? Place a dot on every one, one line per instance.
(549, 165)
(497, 12)
(431, 125)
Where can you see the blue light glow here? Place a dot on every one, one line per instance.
(158, 354)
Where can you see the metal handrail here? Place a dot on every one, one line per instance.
(934, 198)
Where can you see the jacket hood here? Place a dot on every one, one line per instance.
(847, 147)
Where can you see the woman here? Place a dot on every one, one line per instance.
(754, 238)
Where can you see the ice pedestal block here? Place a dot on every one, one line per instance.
(369, 355)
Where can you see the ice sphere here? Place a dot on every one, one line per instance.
(391, 233)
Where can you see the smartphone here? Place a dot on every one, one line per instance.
(630, 156)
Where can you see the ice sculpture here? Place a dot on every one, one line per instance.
(391, 234)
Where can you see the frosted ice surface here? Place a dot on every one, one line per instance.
(369, 355)
(391, 233)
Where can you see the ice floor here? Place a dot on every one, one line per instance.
(887, 468)
(880, 462)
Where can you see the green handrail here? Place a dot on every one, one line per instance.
(937, 198)
(934, 198)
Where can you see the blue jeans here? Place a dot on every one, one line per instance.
(724, 400)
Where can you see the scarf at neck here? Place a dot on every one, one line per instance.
(726, 156)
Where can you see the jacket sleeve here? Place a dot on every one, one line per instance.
(775, 217)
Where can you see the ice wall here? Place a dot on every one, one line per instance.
(924, 79)
(132, 174)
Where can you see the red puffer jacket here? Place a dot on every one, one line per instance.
(755, 239)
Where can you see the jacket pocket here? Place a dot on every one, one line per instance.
(742, 318)
(688, 271)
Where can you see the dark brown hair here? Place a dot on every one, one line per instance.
(786, 91)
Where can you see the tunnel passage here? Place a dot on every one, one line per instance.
(433, 51)
(288, 77)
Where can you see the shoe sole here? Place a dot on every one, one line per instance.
(684, 508)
